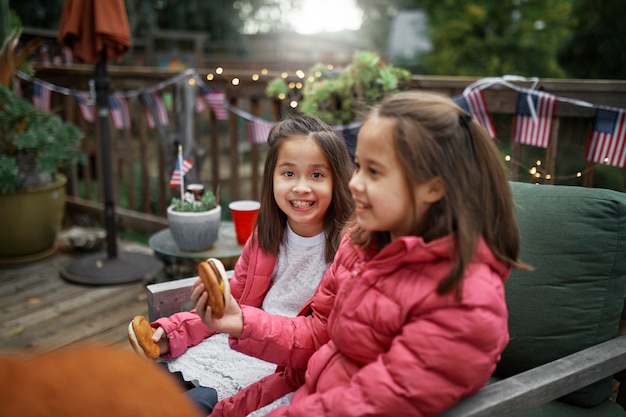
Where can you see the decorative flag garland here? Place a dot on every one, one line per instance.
(119, 111)
(86, 105)
(41, 95)
(258, 130)
(607, 140)
(532, 126)
(474, 103)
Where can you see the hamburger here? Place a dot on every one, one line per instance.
(140, 337)
(213, 276)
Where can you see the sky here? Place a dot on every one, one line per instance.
(327, 16)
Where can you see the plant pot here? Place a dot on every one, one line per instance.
(194, 231)
(30, 220)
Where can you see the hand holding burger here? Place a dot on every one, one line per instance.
(213, 301)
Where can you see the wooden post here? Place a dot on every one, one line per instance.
(215, 153)
(515, 160)
(588, 176)
(551, 150)
(255, 109)
(143, 156)
(234, 153)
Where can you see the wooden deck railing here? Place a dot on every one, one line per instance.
(223, 158)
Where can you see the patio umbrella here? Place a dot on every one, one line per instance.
(98, 31)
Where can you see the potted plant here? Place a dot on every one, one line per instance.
(195, 224)
(340, 97)
(35, 147)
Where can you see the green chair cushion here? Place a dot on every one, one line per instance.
(574, 238)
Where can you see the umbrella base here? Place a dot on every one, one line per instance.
(98, 269)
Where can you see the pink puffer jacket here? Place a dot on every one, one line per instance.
(395, 347)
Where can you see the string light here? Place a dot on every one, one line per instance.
(284, 75)
(255, 77)
(219, 70)
(210, 77)
(293, 104)
(538, 172)
(235, 81)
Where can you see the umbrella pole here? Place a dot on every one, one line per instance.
(102, 83)
(96, 269)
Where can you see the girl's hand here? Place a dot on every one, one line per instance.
(231, 322)
(161, 338)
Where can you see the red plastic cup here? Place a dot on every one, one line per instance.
(244, 214)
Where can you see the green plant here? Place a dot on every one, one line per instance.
(340, 97)
(34, 144)
(188, 204)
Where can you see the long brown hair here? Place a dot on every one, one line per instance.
(434, 137)
(272, 221)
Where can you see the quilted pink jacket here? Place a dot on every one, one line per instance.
(249, 284)
(391, 346)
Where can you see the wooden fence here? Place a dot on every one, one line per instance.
(224, 160)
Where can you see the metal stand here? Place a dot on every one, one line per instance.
(114, 268)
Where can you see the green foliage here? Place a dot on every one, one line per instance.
(339, 97)
(597, 48)
(208, 202)
(492, 37)
(277, 88)
(33, 142)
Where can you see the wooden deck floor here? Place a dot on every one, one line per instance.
(41, 311)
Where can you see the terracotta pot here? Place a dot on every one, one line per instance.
(30, 220)
(194, 231)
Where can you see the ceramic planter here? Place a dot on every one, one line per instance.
(194, 231)
(30, 220)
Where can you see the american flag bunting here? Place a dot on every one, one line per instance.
(150, 101)
(217, 103)
(118, 108)
(41, 96)
(534, 114)
(86, 105)
(258, 130)
(474, 103)
(607, 140)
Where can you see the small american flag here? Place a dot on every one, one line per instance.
(119, 111)
(41, 96)
(607, 141)
(216, 101)
(533, 119)
(474, 103)
(200, 105)
(178, 174)
(259, 130)
(87, 108)
(152, 101)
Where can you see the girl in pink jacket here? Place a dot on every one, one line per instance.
(411, 315)
(305, 203)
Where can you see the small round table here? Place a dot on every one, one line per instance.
(181, 264)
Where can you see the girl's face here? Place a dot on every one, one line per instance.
(303, 185)
(378, 185)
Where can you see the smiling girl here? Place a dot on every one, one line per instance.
(305, 203)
